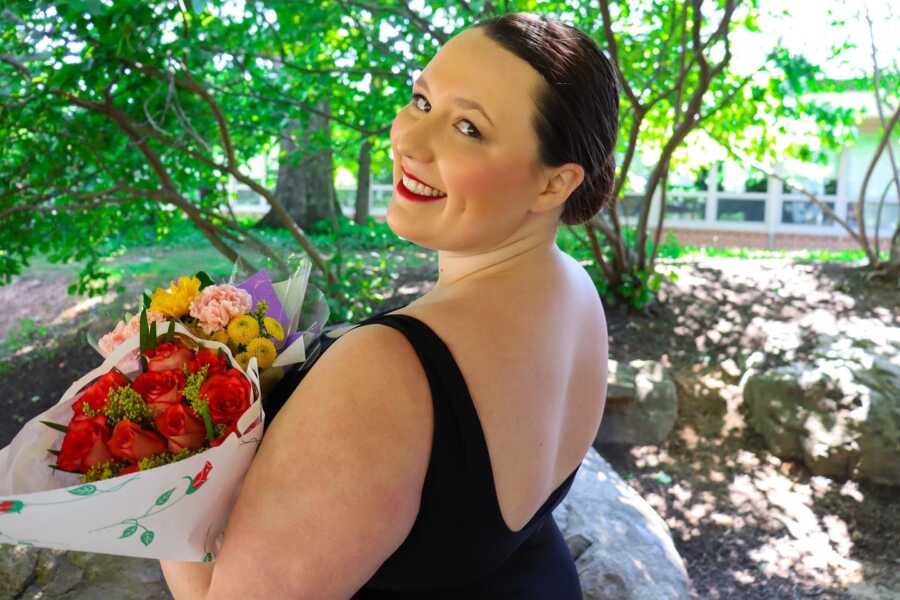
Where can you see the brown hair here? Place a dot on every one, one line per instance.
(577, 118)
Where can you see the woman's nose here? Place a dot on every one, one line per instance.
(411, 138)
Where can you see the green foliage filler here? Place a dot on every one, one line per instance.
(103, 470)
(124, 403)
(166, 458)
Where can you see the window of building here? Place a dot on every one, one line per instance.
(803, 212)
(684, 207)
(738, 209)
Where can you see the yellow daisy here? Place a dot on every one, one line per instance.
(243, 329)
(273, 328)
(176, 300)
(220, 336)
(264, 351)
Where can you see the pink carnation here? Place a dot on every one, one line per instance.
(218, 304)
(109, 342)
(123, 331)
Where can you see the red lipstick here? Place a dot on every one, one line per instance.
(411, 195)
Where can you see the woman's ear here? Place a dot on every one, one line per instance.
(560, 185)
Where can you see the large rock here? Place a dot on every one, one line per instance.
(839, 411)
(622, 548)
(641, 404)
(28, 573)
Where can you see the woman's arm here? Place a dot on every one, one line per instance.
(187, 580)
(335, 485)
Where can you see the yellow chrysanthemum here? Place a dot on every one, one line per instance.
(243, 359)
(243, 329)
(176, 300)
(264, 351)
(220, 336)
(273, 328)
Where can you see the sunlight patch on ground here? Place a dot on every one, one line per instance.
(82, 307)
(814, 549)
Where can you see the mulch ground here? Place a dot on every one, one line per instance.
(747, 524)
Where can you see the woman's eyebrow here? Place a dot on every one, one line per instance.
(464, 102)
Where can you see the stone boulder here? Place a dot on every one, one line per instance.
(622, 548)
(641, 404)
(838, 411)
(29, 573)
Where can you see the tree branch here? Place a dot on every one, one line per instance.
(613, 48)
(876, 75)
(403, 11)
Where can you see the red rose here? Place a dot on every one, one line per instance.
(95, 394)
(181, 427)
(160, 389)
(209, 356)
(130, 442)
(228, 395)
(84, 444)
(168, 355)
(129, 469)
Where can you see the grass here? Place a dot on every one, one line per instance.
(805, 256)
(27, 332)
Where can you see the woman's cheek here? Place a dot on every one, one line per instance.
(497, 184)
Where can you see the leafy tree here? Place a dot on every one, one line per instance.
(835, 127)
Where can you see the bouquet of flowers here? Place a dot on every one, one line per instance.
(250, 317)
(188, 399)
(158, 438)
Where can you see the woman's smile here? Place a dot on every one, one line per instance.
(416, 195)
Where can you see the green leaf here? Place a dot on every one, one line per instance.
(147, 538)
(170, 334)
(145, 332)
(129, 531)
(54, 452)
(164, 497)
(93, 7)
(55, 426)
(55, 468)
(83, 490)
(205, 280)
(147, 301)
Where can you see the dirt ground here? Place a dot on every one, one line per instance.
(747, 524)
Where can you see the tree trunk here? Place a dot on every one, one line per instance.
(363, 174)
(305, 172)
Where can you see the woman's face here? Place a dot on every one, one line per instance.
(484, 161)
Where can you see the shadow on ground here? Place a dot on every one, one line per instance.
(748, 524)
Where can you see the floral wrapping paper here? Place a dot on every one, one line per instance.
(176, 511)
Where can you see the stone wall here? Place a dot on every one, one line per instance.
(755, 239)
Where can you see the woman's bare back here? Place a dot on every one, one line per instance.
(532, 347)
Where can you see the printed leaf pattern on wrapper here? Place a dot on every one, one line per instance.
(135, 523)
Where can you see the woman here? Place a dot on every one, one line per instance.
(424, 453)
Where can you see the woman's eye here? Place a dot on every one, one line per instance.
(475, 133)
